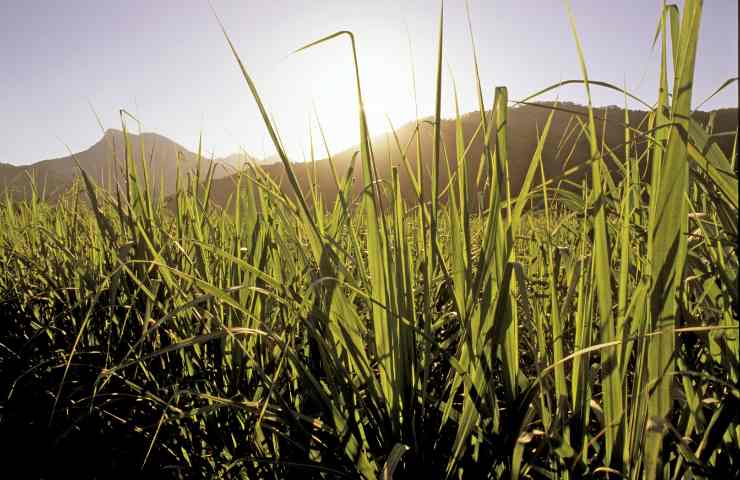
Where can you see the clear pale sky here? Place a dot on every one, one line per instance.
(166, 61)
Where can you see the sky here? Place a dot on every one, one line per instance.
(63, 64)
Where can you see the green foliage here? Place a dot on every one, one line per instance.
(564, 330)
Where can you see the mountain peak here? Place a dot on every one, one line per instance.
(116, 135)
(112, 132)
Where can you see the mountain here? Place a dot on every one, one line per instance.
(565, 147)
(104, 163)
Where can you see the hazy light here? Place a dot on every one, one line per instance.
(167, 62)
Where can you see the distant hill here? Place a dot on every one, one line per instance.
(565, 147)
(104, 162)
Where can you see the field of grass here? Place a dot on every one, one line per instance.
(573, 331)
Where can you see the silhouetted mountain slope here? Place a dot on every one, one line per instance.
(104, 163)
(8, 171)
(565, 147)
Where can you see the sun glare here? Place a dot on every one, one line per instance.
(329, 92)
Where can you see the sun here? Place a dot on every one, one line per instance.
(321, 85)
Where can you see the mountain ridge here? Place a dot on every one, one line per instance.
(564, 147)
(103, 162)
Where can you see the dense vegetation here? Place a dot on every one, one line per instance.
(569, 329)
